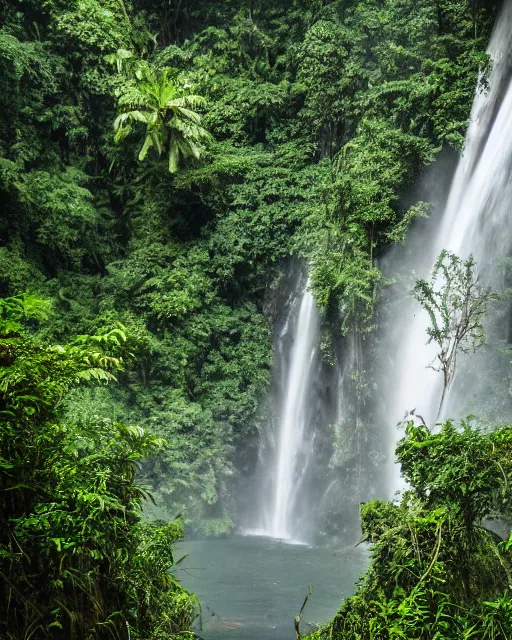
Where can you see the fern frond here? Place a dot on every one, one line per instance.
(190, 115)
(148, 143)
(174, 154)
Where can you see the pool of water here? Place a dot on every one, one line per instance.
(251, 588)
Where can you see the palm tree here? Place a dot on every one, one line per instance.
(167, 110)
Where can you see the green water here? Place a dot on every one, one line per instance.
(251, 588)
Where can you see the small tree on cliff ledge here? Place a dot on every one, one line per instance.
(457, 304)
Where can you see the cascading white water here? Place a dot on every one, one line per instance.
(290, 445)
(475, 221)
(287, 448)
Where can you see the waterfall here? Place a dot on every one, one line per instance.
(290, 459)
(474, 221)
(285, 479)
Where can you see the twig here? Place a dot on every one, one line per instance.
(299, 615)
(435, 555)
(365, 539)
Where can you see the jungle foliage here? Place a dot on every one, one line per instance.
(160, 160)
(76, 560)
(436, 571)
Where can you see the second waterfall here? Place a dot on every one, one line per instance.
(475, 221)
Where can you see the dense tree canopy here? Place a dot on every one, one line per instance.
(159, 164)
(311, 120)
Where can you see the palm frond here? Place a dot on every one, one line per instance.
(174, 154)
(154, 119)
(194, 101)
(148, 143)
(195, 149)
(154, 98)
(140, 116)
(178, 125)
(134, 96)
(121, 120)
(183, 146)
(190, 115)
(156, 137)
(167, 92)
